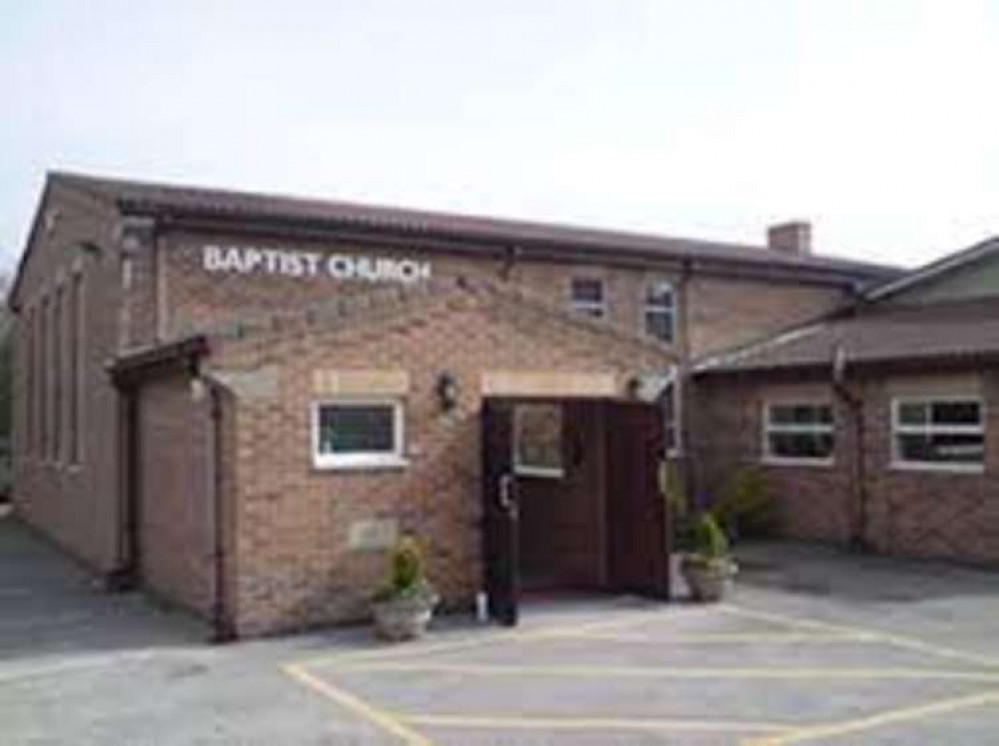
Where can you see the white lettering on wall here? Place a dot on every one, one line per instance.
(290, 263)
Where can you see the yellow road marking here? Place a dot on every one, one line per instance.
(719, 637)
(890, 717)
(534, 723)
(652, 672)
(885, 637)
(488, 636)
(358, 706)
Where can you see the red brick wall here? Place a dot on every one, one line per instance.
(175, 509)
(920, 513)
(293, 521)
(723, 311)
(75, 504)
(726, 312)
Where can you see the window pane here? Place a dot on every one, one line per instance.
(538, 436)
(801, 414)
(345, 429)
(913, 413)
(801, 445)
(956, 413)
(588, 291)
(659, 295)
(659, 325)
(941, 448)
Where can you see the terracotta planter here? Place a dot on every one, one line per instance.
(708, 579)
(400, 619)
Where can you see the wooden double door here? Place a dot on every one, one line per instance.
(637, 520)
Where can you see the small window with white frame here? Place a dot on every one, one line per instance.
(588, 297)
(798, 433)
(660, 311)
(357, 434)
(938, 433)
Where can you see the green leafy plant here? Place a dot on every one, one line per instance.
(699, 529)
(407, 576)
(709, 539)
(746, 505)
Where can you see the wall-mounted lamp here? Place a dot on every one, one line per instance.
(447, 390)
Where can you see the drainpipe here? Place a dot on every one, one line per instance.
(858, 472)
(223, 629)
(122, 576)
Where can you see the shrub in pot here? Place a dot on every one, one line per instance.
(709, 568)
(404, 603)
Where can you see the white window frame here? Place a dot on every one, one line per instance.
(648, 310)
(591, 308)
(361, 460)
(771, 458)
(897, 428)
(674, 383)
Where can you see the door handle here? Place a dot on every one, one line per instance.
(506, 501)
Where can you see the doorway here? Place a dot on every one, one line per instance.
(571, 499)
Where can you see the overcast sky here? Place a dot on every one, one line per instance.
(878, 121)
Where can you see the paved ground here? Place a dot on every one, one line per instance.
(814, 647)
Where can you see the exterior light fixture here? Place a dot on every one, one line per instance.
(447, 391)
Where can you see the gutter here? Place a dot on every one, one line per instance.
(223, 626)
(858, 470)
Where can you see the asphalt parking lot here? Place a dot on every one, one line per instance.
(815, 646)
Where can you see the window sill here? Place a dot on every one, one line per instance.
(812, 463)
(538, 472)
(923, 466)
(366, 463)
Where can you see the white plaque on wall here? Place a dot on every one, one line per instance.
(373, 535)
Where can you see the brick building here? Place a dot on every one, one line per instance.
(875, 425)
(239, 400)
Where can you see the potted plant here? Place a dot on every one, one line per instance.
(405, 602)
(709, 568)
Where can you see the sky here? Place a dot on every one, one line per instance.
(876, 121)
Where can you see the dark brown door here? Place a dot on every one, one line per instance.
(639, 533)
(500, 531)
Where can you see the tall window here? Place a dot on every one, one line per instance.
(75, 366)
(588, 297)
(943, 433)
(357, 434)
(44, 377)
(660, 311)
(798, 432)
(28, 371)
(58, 373)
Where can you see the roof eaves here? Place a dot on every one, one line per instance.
(934, 269)
(139, 365)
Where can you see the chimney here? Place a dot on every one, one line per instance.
(794, 237)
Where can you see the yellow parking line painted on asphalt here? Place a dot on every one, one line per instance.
(880, 720)
(358, 706)
(489, 636)
(653, 672)
(885, 637)
(534, 723)
(719, 637)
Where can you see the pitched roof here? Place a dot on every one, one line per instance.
(967, 331)
(145, 198)
(935, 269)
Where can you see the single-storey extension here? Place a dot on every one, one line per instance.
(877, 425)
